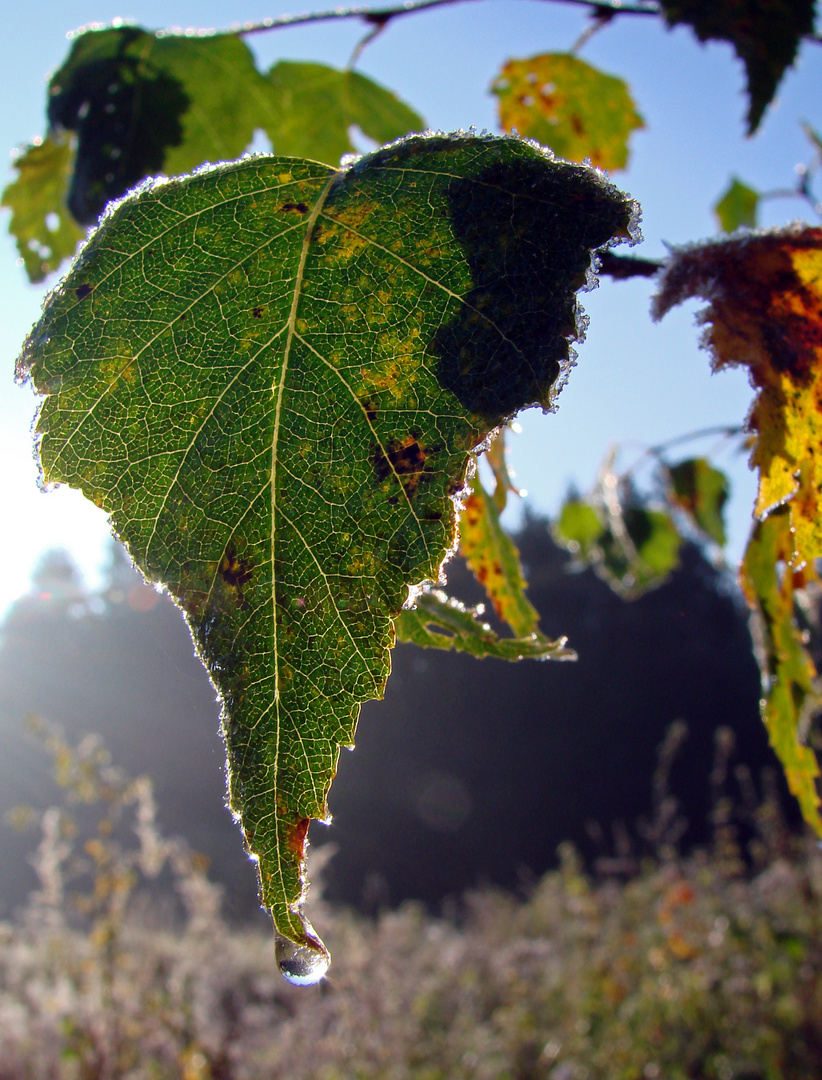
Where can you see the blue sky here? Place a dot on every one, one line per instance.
(636, 383)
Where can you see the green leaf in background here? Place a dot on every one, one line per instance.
(566, 104)
(789, 677)
(738, 206)
(141, 103)
(578, 528)
(272, 375)
(639, 551)
(765, 34)
(45, 231)
(437, 621)
(701, 491)
(631, 547)
(493, 559)
(314, 106)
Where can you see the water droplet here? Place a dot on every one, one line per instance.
(301, 965)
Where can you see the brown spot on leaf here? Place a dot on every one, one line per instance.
(83, 291)
(296, 836)
(299, 208)
(404, 458)
(236, 572)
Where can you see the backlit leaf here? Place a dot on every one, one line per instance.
(789, 677)
(701, 491)
(45, 231)
(314, 106)
(494, 560)
(440, 622)
(640, 552)
(142, 103)
(272, 375)
(578, 527)
(737, 207)
(765, 294)
(765, 34)
(564, 103)
(630, 546)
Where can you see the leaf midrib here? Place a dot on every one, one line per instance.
(275, 435)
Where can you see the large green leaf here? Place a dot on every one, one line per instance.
(142, 103)
(314, 106)
(559, 100)
(765, 34)
(272, 376)
(45, 231)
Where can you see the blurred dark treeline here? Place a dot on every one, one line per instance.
(469, 772)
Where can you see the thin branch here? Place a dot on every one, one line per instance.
(730, 431)
(382, 15)
(658, 452)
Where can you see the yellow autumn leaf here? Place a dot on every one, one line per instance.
(494, 560)
(765, 297)
(789, 677)
(765, 312)
(575, 109)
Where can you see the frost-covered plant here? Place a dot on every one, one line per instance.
(688, 968)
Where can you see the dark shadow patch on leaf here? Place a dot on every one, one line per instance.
(125, 112)
(527, 228)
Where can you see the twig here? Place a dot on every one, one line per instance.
(729, 430)
(385, 14)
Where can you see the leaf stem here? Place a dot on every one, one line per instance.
(600, 18)
(621, 267)
(377, 28)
